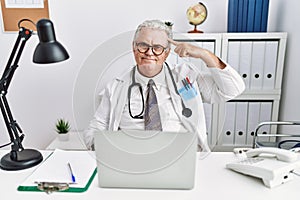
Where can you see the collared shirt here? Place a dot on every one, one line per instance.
(170, 120)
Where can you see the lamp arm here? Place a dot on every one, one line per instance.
(24, 35)
(12, 126)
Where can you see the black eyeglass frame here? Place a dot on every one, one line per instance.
(137, 44)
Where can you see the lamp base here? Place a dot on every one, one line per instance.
(25, 159)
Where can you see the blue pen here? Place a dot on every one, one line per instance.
(184, 84)
(72, 175)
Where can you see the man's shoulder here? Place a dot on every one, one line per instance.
(121, 79)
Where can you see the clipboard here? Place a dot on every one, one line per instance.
(55, 170)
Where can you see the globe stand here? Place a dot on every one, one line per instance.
(195, 30)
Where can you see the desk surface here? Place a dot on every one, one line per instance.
(213, 181)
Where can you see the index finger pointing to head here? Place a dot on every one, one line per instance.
(173, 42)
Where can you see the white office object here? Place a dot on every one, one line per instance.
(209, 45)
(146, 159)
(55, 170)
(208, 111)
(228, 125)
(24, 4)
(257, 65)
(270, 64)
(253, 120)
(233, 57)
(241, 123)
(274, 166)
(245, 62)
(265, 115)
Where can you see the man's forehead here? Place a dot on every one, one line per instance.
(150, 34)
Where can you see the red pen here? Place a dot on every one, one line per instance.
(188, 80)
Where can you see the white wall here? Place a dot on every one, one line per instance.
(39, 95)
(287, 18)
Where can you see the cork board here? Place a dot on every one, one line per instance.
(11, 16)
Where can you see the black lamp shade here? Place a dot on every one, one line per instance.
(48, 50)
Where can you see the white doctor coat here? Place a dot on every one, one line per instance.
(218, 86)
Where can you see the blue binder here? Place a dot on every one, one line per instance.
(240, 15)
(257, 15)
(232, 15)
(250, 16)
(245, 16)
(264, 16)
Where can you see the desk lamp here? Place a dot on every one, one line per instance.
(47, 51)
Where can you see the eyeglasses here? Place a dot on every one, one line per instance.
(157, 50)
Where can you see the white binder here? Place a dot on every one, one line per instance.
(233, 55)
(265, 115)
(253, 120)
(241, 123)
(229, 124)
(270, 65)
(245, 62)
(257, 65)
(208, 120)
(209, 46)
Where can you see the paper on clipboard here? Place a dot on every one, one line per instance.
(55, 169)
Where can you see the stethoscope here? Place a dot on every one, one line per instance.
(187, 112)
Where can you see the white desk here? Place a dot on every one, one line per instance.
(213, 181)
(75, 142)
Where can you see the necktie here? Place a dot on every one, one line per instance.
(152, 117)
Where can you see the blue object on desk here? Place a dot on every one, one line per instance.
(72, 175)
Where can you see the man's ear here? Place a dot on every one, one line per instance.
(167, 52)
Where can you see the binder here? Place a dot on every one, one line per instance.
(265, 115)
(241, 123)
(253, 120)
(245, 16)
(55, 169)
(250, 15)
(245, 62)
(264, 16)
(208, 120)
(258, 15)
(232, 15)
(209, 46)
(240, 15)
(233, 55)
(270, 65)
(257, 62)
(229, 124)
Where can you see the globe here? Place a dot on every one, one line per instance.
(196, 15)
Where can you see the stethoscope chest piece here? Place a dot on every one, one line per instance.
(186, 112)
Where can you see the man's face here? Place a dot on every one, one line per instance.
(150, 62)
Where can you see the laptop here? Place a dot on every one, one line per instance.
(146, 159)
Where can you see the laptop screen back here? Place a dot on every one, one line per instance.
(146, 159)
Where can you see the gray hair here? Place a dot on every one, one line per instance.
(154, 24)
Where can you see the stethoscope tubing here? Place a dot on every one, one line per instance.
(187, 112)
